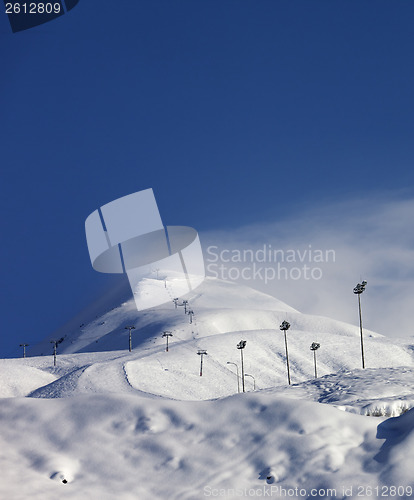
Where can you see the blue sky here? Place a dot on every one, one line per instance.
(234, 112)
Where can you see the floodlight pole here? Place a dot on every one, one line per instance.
(175, 302)
(358, 290)
(190, 313)
(167, 334)
(254, 380)
(24, 349)
(238, 378)
(314, 347)
(360, 329)
(201, 353)
(287, 357)
(242, 369)
(241, 345)
(130, 328)
(284, 327)
(54, 342)
(185, 302)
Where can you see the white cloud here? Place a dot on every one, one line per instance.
(372, 239)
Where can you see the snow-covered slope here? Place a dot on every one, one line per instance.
(224, 313)
(19, 379)
(108, 423)
(225, 300)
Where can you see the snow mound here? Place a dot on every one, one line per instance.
(381, 392)
(108, 446)
(20, 379)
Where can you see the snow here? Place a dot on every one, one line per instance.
(373, 392)
(125, 446)
(18, 379)
(106, 423)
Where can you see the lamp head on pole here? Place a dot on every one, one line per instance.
(284, 326)
(360, 287)
(315, 346)
(242, 344)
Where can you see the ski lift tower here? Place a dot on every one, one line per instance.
(24, 349)
(167, 334)
(201, 352)
(55, 343)
(130, 328)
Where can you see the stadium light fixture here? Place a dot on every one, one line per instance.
(358, 290)
(314, 347)
(241, 345)
(285, 327)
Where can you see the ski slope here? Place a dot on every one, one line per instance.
(108, 423)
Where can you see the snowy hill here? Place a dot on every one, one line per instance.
(222, 298)
(224, 313)
(108, 423)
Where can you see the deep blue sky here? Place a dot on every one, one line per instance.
(233, 111)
